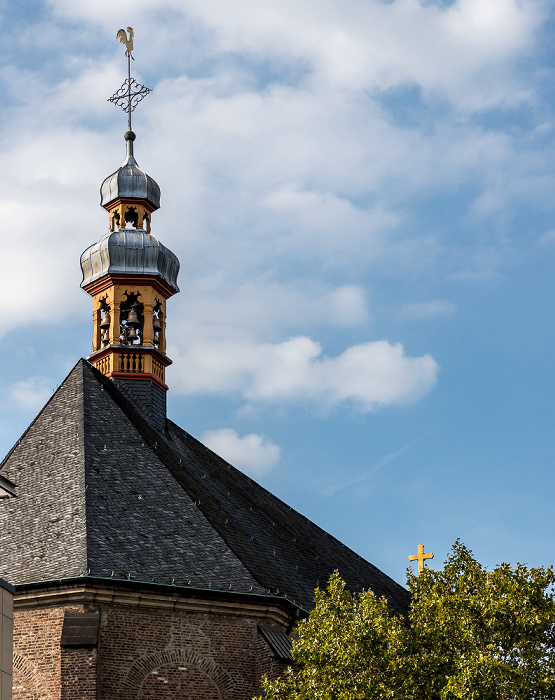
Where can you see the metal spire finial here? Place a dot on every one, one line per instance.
(131, 92)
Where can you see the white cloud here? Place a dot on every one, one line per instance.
(415, 311)
(29, 394)
(253, 454)
(265, 308)
(368, 375)
(345, 306)
(284, 177)
(256, 178)
(459, 50)
(546, 238)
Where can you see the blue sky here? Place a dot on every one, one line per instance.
(361, 195)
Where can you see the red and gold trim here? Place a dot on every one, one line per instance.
(128, 362)
(109, 280)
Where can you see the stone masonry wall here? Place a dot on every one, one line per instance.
(152, 653)
(78, 673)
(42, 669)
(142, 654)
(266, 664)
(37, 654)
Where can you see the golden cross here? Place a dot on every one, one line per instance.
(420, 557)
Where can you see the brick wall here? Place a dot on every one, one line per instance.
(37, 653)
(144, 651)
(78, 674)
(266, 664)
(152, 653)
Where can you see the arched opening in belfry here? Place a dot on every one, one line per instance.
(105, 322)
(131, 320)
(157, 323)
(131, 218)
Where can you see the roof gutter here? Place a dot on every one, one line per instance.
(296, 609)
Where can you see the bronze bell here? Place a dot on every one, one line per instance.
(132, 335)
(156, 325)
(156, 340)
(106, 320)
(133, 318)
(105, 338)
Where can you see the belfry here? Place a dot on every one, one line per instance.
(144, 565)
(130, 275)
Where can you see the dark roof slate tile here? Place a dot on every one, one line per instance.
(43, 530)
(121, 498)
(141, 523)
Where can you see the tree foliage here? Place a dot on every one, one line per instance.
(470, 633)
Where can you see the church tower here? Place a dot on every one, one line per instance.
(130, 275)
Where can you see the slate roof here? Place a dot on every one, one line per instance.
(104, 493)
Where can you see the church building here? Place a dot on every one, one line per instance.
(144, 565)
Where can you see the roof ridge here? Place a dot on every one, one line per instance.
(274, 497)
(160, 443)
(394, 592)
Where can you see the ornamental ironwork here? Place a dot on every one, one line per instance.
(131, 92)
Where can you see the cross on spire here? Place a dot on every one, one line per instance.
(420, 557)
(131, 92)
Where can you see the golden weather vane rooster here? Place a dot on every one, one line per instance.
(131, 92)
(127, 42)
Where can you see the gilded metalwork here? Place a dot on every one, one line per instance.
(131, 92)
(127, 42)
(420, 557)
(129, 273)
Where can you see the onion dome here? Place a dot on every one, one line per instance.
(130, 182)
(129, 252)
(130, 275)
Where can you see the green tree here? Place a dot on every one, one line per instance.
(470, 633)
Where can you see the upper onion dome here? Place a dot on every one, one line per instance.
(129, 181)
